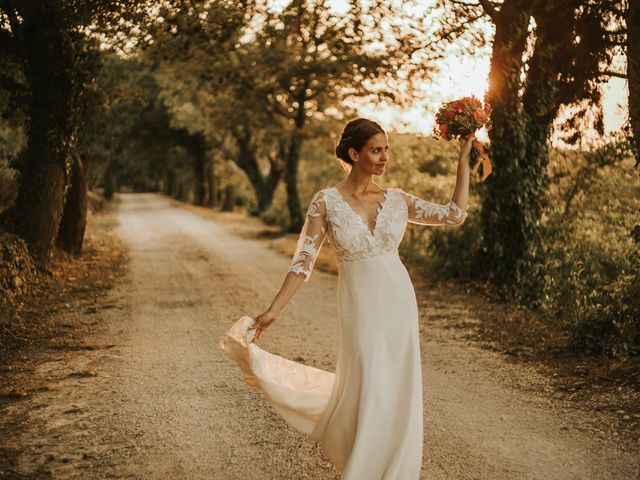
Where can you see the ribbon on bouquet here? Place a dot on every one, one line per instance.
(482, 158)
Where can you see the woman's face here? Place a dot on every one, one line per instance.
(373, 156)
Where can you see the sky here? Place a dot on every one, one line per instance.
(459, 77)
(463, 76)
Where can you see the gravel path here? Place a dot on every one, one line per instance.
(159, 400)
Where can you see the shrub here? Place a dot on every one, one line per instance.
(437, 165)
(588, 268)
(597, 299)
(453, 251)
(590, 261)
(275, 215)
(241, 199)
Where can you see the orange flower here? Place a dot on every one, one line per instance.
(480, 115)
(443, 128)
(449, 114)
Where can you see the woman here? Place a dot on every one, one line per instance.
(368, 415)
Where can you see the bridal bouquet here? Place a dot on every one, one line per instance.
(460, 118)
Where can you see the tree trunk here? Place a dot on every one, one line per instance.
(633, 71)
(296, 218)
(183, 191)
(86, 165)
(109, 181)
(175, 186)
(264, 188)
(74, 218)
(212, 194)
(168, 184)
(198, 148)
(541, 102)
(201, 182)
(229, 199)
(502, 215)
(51, 69)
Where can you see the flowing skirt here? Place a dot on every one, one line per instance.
(367, 415)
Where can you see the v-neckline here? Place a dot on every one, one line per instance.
(378, 212)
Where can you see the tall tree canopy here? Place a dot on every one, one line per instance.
(269, 74)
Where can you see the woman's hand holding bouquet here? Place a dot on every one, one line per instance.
(461, 118)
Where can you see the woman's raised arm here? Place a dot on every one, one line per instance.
(424, 212)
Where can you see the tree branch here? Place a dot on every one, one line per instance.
(16, 28)
(464, 4)
(608, 7)
(611, 73)
(454, 31)
(490, 9)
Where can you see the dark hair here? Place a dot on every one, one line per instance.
(355, 135)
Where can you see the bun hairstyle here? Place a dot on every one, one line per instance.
(355, 135)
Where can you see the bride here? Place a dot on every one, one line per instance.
(368, 415)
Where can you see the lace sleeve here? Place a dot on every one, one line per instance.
(424, 212)
(311, 237)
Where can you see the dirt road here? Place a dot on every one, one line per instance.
(159, 400)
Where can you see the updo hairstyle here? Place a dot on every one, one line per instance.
(355, 135)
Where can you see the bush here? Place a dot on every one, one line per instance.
(588, 268)
(438, 165)
(590, 262)
(453, 251)
(594, 293)
(275, 215)
(241, 199)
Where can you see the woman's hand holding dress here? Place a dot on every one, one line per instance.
(308, 246)
(261, 322)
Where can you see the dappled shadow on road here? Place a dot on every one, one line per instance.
(56, 342)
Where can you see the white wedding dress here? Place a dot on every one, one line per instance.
(368, 414)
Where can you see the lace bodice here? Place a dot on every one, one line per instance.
(330, 216)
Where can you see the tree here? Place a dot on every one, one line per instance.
(546, 55)
(47, 39)
(236, 127)
(253, 73)
(633, 69)
(128, 133)
(49, 48)
(189, 56)
(305, 61)
(74, 218)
